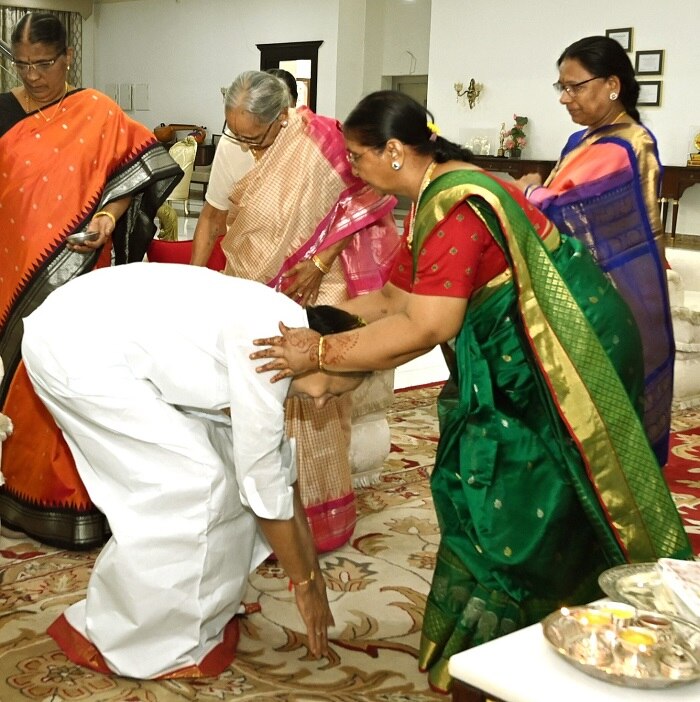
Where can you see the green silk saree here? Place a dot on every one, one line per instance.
(544, 476)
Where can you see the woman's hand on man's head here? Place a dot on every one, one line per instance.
(293, 353)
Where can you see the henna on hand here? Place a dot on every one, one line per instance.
(337, 351)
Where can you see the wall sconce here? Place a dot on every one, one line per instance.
(472, 92)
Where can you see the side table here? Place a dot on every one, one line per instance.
(523, 667)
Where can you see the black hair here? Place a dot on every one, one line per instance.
(289, 80)
(388, 114)
(326, 319)
(40, 28)
(605, 57)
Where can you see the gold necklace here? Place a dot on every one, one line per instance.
(38, 109)
(414, 206)
(618, 117)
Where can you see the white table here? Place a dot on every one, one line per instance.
(523, 667)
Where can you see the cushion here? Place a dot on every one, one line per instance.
(181, 251)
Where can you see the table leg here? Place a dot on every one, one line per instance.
(663, 211)
(675, 205)
(463, 692)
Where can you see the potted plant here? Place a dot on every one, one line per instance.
(515, 140)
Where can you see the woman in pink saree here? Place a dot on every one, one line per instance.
(302, 223)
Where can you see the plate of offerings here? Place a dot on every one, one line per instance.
(623, 645)
(669, 586)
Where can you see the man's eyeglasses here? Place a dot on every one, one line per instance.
(23, 67)
(572, 89)
(248, 141)
(354, 158)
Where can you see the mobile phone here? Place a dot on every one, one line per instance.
(82, 237)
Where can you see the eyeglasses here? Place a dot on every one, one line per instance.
(354, 158)
(23, 67)
(248, 141)
(572, 89)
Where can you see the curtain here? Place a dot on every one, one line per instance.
(72, 21)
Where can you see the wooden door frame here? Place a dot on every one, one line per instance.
(272, 54)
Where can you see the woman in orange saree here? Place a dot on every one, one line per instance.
(67, 164)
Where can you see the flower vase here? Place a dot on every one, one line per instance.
(515, 153)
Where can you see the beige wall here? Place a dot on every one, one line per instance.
(514, 52)
(185, 49)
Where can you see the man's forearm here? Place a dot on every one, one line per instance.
(292, 542)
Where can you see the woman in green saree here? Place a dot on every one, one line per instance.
(544, 476)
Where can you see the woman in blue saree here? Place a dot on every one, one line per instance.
(604, 191)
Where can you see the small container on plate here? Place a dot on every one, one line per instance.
(637, 639)
(592, 617)
(621, 614)
(661, 626)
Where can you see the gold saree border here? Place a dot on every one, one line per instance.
(642, 144)
(596, 409)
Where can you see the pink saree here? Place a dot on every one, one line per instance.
(300, 198)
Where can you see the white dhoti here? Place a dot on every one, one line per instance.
(165, 481)
(182, 490)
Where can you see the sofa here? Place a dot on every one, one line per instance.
(684, 293)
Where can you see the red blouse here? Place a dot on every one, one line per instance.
(459, 256)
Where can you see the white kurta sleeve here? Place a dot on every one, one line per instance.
(264, 457)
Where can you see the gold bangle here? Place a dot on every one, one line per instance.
(104, 213)
(302, 583)
(320, 353)
(320, 265)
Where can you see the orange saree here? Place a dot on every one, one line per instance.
(55, 174)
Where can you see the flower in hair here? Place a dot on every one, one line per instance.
(434, 131)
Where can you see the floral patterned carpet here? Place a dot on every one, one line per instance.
(377, 587)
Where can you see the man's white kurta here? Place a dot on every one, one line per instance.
(136, 363)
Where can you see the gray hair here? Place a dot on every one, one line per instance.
(261, 94)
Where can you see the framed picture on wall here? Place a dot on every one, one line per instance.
(649, 93)
(649, 63)
(621, 36)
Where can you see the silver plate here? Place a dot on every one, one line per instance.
(82, 236)
(635, 583)
(615, 666)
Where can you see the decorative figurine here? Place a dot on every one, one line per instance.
(501, 150)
